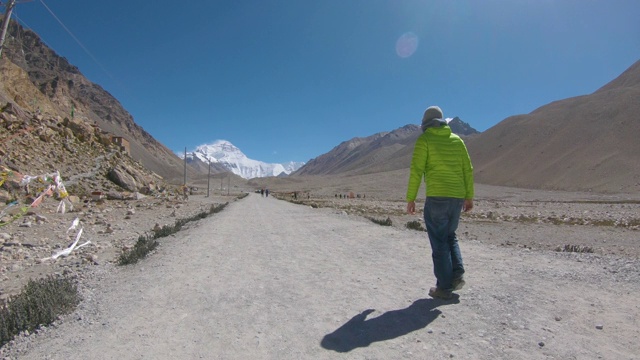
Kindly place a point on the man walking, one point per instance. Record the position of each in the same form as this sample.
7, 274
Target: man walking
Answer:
442, 159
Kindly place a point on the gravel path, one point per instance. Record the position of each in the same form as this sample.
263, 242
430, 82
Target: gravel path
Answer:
267, 279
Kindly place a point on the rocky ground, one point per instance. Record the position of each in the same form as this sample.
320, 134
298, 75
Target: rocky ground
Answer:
312, 281
29, 239
534, 219
564, 222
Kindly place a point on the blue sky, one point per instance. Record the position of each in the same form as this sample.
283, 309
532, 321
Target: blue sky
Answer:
289, 80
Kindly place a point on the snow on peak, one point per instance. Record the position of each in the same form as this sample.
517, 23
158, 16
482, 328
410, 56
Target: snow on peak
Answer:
228, 155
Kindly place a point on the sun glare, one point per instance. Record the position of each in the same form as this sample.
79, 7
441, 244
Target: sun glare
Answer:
407, 44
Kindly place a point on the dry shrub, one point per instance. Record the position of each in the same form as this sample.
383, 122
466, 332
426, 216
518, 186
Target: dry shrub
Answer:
575, 249
415, 225
147, 243
383, 222
39, 304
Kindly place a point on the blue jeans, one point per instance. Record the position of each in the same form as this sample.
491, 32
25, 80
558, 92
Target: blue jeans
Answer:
441, 216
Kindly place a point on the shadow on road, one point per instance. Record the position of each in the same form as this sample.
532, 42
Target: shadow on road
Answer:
361, 332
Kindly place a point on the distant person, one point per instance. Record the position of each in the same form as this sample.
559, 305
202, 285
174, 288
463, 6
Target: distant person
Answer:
442, 158
262, 192
266, 192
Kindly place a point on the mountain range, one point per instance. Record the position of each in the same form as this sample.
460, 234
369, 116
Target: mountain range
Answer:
385, 151
52, 117
584, 143
233, 159
587, 142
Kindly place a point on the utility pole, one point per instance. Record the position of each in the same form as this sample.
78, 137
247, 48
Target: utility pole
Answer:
185, 166
209, 178
5, 24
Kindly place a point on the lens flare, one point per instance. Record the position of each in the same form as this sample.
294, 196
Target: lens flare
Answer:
407, 44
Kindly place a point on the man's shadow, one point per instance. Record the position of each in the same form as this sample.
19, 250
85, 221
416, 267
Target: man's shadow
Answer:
361, 332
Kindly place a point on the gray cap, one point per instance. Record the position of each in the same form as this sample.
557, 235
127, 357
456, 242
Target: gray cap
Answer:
432, 112
432, 118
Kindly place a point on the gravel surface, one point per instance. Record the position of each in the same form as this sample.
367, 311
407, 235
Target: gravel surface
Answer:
268, 279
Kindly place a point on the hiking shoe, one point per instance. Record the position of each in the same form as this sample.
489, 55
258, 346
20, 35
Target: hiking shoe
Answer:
458, 283
438, 293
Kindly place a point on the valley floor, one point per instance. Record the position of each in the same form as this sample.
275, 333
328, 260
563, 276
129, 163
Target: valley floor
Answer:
267, 279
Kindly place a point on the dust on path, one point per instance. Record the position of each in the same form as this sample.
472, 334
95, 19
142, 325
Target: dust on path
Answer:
266, 279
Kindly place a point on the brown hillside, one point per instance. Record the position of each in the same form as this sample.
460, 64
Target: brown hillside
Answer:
64, 86
583, 143
381, 152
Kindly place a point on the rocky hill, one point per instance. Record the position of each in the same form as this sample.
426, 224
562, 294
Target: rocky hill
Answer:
40, 144
63, 90
385, 151
587, 142
584, 143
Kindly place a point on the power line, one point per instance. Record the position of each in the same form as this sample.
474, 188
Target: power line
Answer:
84, 48
76, 40
23, 46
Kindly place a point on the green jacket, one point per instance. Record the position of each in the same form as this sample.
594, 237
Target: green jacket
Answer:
442, 158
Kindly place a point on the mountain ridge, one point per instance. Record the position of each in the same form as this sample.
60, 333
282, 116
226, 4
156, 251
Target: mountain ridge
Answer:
380, 152
227, 155
65, 86
586, 142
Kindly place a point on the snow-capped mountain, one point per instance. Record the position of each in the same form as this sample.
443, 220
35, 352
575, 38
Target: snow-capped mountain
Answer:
226, 154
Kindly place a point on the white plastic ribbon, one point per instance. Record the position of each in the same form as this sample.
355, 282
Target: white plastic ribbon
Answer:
74, 225
68, 250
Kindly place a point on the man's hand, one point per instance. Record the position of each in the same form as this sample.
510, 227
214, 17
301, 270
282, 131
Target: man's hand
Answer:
411, 207
468, 205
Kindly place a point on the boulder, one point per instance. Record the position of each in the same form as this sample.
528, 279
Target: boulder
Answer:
45, 134
80, 129
121, 177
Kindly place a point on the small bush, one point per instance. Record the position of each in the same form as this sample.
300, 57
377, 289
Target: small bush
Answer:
415, 225
217, 208
575, 249
385, 222
147, 243
144, 245
39, 304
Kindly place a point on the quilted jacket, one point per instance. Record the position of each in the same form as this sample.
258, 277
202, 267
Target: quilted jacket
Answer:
441, 158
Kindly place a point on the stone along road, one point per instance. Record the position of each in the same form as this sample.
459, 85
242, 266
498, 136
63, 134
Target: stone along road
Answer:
267, 279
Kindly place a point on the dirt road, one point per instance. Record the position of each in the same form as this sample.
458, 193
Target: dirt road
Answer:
266, 279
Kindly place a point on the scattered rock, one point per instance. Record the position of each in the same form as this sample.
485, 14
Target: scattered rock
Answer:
26, 224
16, 267
92, 258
